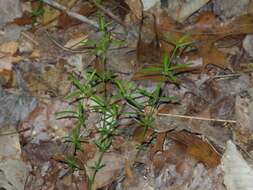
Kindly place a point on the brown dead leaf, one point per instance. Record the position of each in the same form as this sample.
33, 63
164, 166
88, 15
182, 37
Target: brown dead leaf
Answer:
173, 155
123, 9
159, 144
240, 25
206, 30
140, 135
87, 152
148, 47
205, 19
50, 14
128, 170
84, 9
167, 26
215, 32
200, 149
211, 55
24, 20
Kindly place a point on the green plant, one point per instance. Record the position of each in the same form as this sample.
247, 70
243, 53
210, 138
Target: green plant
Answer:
170, 64
143, 112
72, 163
91, 94
37, 12
90, 98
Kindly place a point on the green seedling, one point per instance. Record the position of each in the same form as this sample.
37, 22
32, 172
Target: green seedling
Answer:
143, 112
102, 105
169, 65
38, 12
79, 114
74, 138
88, 97
83, 90
72, 163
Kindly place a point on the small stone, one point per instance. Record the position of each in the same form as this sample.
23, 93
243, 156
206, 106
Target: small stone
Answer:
25, 47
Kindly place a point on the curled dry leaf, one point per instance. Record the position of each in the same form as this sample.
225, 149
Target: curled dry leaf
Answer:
199, 148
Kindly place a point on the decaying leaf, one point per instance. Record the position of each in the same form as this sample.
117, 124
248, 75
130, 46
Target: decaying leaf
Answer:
85, 9
148, 47
199, 148
140, 135
211, 55
50, 14
206, 19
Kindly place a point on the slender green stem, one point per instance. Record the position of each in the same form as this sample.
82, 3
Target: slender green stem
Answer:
92, 179
103, 61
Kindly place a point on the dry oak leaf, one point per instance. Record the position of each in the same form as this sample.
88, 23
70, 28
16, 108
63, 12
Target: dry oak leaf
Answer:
200, 149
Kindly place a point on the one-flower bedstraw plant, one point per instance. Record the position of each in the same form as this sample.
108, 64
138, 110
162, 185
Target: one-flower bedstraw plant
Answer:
89, 97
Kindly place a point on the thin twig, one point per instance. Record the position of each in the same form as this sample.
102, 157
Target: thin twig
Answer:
78, 51
196, 118
65, 48
70, 13
226, 76
29, 38
16, 132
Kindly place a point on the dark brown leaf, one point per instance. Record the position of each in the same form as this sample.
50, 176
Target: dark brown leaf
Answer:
200, 149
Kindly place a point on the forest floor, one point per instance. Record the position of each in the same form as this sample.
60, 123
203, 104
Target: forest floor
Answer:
126, 95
